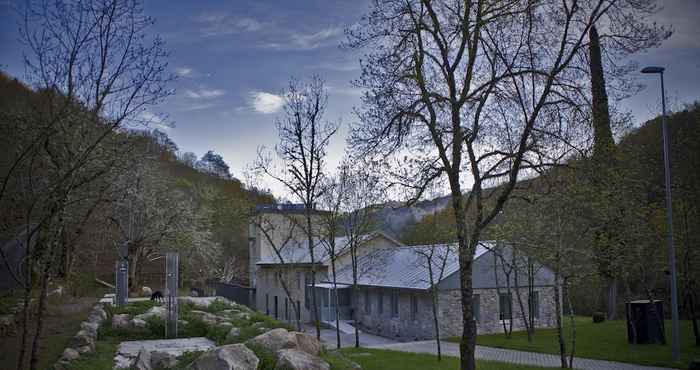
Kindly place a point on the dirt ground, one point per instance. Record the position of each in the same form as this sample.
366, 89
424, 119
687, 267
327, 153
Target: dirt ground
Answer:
61, 322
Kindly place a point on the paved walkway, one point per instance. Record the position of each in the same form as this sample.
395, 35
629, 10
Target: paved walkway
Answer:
511, 356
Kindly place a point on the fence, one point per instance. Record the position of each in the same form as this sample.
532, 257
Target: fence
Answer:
236, 293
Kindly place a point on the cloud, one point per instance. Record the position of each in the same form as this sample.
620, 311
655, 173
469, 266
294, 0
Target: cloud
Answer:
154, 120
184, 71
220, 24
196, 106
308, 41
203, 93
350, 91
266, 103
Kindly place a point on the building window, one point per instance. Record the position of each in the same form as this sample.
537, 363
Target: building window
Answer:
394, 304
267, 304
286, 309
505, 306
368, 303
307, 290
476, 307
380, 302
276, 312
298, 311
534, 304
414, 307
298, 280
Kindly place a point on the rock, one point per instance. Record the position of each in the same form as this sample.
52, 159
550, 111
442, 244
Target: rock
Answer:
120, 321
69, 354
157, 311
229, 357
138, 323
90, 327
146, 291
182, 322
262, 329
83, 342
208, 318
307, 343
163, 360
258, 324
293, 359
274, 340
225, 325
143, 361
233, 334
242, 316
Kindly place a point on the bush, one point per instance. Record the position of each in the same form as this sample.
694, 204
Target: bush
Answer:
598, 317
266, 357
694, 364
218, 305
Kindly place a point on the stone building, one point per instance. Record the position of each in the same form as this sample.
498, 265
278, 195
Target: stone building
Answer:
393, 294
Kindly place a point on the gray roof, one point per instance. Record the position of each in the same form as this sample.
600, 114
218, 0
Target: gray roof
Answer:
406, 267
299, 252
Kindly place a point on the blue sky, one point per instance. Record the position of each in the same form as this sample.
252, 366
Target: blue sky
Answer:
234, 58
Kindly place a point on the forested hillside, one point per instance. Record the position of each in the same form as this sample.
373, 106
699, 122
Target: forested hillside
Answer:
136, 191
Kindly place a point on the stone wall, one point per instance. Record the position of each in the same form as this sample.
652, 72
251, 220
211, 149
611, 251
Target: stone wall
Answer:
450, 310
405, 326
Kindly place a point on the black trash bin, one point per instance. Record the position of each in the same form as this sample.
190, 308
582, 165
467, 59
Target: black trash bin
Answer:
645, 322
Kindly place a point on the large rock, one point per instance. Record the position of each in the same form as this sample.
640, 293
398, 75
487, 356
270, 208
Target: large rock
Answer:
274, 340
137, 323
307, 343
294, 359
146, 291
233, 334
143, 361
163, 360
208, 318
69, 354
229, 357
157, 311
90, 327
97, 315
83, 342
120, 321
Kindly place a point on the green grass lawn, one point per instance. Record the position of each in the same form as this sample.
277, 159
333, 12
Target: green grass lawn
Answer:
376, 359
605, 341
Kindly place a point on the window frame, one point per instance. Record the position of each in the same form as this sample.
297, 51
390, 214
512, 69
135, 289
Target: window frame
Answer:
394, 304
509, 302
476, 307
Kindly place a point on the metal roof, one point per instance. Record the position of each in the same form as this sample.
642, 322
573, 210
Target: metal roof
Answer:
406, 267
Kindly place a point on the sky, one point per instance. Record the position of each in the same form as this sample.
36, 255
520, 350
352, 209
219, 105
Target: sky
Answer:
233, 59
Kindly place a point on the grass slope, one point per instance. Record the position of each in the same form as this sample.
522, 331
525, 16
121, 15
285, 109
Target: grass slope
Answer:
376, 359
605, 341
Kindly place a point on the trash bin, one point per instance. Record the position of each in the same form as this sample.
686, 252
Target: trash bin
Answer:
645, 322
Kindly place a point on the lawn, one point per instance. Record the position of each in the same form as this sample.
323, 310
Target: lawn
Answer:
605, 341
376, 359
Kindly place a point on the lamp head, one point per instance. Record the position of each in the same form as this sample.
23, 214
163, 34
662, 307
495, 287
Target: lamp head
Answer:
653, 69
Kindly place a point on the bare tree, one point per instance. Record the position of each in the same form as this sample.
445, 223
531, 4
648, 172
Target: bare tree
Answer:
97, 71
304, 138
435, 259
362, 195
332, 200
468, 88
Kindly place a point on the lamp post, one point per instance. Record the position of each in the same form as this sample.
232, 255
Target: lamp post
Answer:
675, 344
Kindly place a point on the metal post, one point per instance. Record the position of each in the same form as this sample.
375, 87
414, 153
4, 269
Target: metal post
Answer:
121, 277
171, 286
675, 344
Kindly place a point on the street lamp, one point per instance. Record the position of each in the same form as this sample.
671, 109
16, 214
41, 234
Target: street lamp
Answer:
675, 345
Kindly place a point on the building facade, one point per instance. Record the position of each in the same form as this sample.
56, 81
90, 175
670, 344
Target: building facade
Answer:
393, 296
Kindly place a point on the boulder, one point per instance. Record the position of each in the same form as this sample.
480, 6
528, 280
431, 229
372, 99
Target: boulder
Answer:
157, 311
229, 357
233, 334
225, 325
120, 321
163, 360
143, 361
90, 327
69, 354
83, 342
307, 343
137, 323
293, 359
208, 318
242, 316
182, 322
146, 291
274, 340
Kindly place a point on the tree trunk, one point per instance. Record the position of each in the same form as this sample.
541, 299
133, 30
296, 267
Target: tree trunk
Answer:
337, 311
467, 344
560, 329
434, 294
612, 298
573, 325
310, 240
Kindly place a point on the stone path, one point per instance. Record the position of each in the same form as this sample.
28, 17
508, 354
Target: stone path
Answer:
511, 356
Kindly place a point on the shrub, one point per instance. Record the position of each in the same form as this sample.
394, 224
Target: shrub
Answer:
694, 364
266, 357
598, 317
156, 326
218, 305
